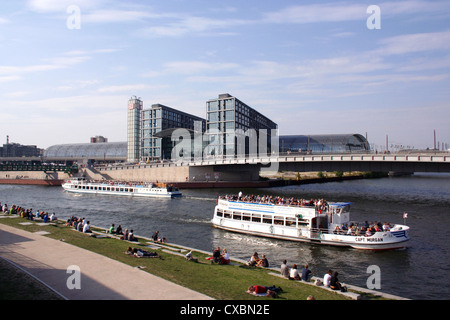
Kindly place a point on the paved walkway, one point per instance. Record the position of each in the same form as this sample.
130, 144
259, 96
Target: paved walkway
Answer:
101, 278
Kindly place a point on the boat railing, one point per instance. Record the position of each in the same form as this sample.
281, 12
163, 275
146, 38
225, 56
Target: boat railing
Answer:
318, 210
316, 232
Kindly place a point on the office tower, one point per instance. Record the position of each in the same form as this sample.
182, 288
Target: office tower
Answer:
157, 126
134, 129
235, 129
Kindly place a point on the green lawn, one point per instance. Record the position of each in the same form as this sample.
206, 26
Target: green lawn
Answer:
223, 282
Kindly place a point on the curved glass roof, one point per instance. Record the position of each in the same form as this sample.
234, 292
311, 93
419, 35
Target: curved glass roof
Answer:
324, 143
97, 151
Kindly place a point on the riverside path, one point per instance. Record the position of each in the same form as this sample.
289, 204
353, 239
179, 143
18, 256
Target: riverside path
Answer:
102, 278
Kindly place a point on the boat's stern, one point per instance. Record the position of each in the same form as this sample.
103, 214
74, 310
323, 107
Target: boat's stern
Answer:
396, 238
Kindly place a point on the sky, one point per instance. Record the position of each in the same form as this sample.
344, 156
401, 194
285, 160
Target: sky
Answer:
380, 69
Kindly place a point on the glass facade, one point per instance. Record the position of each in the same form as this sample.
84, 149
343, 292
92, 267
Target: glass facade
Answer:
160, 118
232, 126
331, 143
110, 151
134, 129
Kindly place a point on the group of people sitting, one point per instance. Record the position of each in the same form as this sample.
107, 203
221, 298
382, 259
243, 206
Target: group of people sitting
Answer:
125, 235
156, 237
255, 261
293, 273
366, 229
79, 224
330, 279
219, 257
28, 213
319, 204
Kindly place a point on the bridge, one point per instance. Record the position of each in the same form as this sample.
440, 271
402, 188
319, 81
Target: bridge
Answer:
47, 168
249, 168
397, 162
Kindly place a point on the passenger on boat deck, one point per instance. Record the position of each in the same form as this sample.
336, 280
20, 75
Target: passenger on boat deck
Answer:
263, 263
293, 274
336, 230
284, 270
306, 273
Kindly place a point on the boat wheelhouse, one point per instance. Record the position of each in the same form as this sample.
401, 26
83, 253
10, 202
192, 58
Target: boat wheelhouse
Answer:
80, 185
328, 223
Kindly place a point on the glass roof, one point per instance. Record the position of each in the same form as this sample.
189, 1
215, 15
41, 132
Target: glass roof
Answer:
324, 143
99, 151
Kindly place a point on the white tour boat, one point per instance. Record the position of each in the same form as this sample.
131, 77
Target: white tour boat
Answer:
326, 223
80, 185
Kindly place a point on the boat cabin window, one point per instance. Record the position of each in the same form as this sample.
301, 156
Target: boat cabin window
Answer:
339, 209
291, 222
237, 216
246, 216
227, 214
267, 219
219, 213
303, 222
278, 220
256, 218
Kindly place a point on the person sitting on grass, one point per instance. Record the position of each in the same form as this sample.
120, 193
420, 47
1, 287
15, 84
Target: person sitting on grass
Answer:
86, 228
254, 260
263, 263
131, 236
224, 257
190, 257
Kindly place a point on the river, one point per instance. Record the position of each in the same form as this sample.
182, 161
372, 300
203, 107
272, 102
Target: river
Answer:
418, 272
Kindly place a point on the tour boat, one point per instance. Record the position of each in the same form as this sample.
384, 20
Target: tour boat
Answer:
320, 223
80, 185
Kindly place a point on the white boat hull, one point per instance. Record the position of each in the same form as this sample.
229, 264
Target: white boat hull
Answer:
122, 190
385, 240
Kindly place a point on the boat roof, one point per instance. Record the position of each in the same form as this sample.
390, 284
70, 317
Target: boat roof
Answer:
340, 204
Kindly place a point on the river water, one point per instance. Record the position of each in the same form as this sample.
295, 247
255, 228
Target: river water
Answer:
421, 271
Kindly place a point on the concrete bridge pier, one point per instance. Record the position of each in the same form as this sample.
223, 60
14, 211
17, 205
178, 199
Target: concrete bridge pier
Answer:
243, 172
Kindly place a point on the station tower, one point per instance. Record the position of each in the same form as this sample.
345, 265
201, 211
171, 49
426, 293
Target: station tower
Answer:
135, 106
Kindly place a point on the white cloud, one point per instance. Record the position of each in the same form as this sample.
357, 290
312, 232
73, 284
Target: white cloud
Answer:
344, 11
194, 25
125, 88
15, 72
116, 15
417, 42
318, 13
52, 6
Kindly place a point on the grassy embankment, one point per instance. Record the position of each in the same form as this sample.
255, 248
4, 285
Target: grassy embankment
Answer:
223, 282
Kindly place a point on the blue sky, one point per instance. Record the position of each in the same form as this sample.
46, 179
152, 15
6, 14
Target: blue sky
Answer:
314, 67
